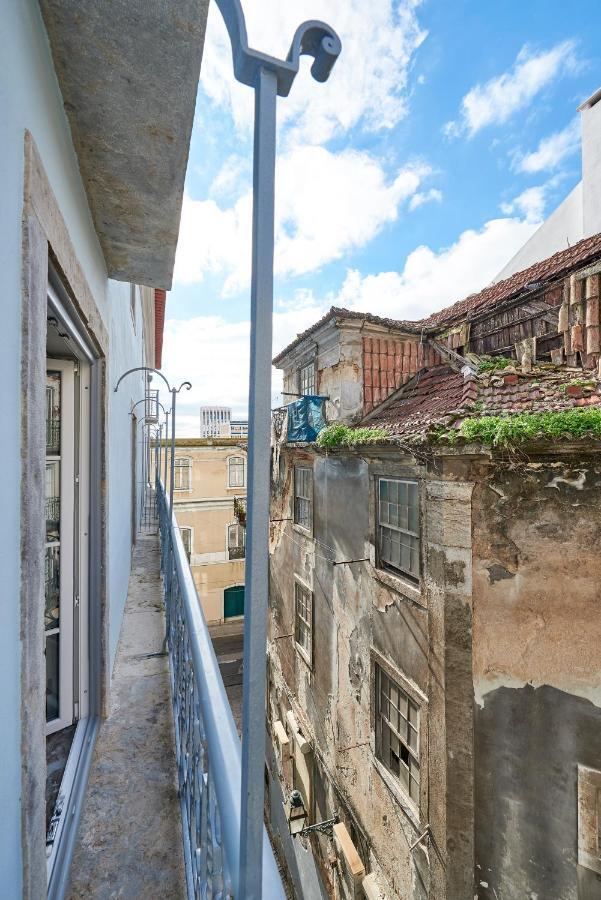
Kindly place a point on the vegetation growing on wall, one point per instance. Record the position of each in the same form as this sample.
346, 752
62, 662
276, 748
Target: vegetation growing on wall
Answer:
507, 431
343, 436
492, 364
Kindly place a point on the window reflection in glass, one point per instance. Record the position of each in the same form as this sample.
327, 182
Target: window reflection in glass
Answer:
53, 413
52, 587
52, 501
52, 674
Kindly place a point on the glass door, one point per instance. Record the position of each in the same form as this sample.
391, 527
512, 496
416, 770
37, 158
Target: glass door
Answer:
59, 556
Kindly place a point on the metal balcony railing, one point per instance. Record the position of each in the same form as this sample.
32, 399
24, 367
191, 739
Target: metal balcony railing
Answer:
207, 743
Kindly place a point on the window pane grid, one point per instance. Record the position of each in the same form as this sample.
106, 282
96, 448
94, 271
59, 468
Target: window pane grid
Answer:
236, 471
181, 475
303, 496
397, 721
303, 618
398, 525
307, 380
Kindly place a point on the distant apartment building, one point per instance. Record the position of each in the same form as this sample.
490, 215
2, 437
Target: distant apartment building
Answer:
239, 428
215, 421
210, 504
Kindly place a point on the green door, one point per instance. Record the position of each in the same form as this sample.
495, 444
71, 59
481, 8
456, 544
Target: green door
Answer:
233, 601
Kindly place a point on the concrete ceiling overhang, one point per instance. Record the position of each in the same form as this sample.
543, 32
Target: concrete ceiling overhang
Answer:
128, 72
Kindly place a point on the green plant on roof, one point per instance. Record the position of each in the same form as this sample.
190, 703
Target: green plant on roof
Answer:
343, 436
493, 364
508, 431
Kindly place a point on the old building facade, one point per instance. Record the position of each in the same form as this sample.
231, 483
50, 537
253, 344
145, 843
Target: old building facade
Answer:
434, 649
209, 498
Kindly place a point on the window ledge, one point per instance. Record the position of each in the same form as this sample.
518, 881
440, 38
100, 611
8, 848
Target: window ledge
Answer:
304, 531
395, 789
400, 586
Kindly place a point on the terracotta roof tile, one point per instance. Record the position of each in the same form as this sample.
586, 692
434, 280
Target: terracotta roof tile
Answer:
441, 396
554, 267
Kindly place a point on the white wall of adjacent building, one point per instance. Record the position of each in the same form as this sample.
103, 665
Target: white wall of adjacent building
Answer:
579, 215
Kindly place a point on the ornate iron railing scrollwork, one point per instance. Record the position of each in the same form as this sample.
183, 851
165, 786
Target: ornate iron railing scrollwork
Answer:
207, 743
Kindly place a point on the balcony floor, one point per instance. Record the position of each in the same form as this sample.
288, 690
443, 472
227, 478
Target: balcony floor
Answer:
130, 838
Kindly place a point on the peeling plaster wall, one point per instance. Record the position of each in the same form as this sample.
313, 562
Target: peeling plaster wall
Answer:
363, 615
536, 665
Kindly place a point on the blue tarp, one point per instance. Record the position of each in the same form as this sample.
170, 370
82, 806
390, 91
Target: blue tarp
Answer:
305, 419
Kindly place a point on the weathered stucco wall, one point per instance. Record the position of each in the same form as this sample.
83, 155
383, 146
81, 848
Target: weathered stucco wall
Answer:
363, 616
536, 665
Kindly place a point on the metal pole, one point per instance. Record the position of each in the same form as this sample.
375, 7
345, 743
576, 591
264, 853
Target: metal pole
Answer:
166, 450
259, 438
172, 468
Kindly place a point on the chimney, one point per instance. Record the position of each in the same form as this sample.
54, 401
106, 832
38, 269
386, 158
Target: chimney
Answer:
590, 112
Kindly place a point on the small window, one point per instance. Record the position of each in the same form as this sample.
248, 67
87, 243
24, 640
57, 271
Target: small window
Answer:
307, 380
236, 541
398, 526
181, 476
236, 471
303, 497
397, 733
303, 620
186, 534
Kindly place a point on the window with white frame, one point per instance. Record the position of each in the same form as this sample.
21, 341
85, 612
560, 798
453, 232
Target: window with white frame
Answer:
307, 380
398, 525
397, 733
186, 534
236, 541
303, 497
303, 620
236, 471
181, 474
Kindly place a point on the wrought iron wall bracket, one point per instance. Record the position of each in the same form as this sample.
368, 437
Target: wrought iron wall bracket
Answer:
326, 827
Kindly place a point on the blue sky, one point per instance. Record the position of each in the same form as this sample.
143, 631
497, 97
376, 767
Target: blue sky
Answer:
446, 133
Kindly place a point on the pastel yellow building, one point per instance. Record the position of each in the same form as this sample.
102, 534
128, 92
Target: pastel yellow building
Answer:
209, 496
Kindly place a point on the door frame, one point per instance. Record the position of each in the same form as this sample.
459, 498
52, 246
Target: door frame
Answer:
67, 566
89, 547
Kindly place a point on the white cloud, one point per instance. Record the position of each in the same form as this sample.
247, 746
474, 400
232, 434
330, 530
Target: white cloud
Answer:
551, 150
495, 101
421, 197
431, 280
213, 353
530, 203
327, 204
367, 87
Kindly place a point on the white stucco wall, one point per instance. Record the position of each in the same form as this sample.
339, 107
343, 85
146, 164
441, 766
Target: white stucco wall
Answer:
579, 215
30, 99
591, 166
564, 227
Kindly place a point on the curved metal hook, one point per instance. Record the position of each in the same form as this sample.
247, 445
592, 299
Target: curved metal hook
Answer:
312, 38
142, 369
143, 400
185, 384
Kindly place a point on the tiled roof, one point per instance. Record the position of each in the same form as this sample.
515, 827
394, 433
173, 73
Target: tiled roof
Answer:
431, 397
441, 396
338, 312
585, 251
546, 270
